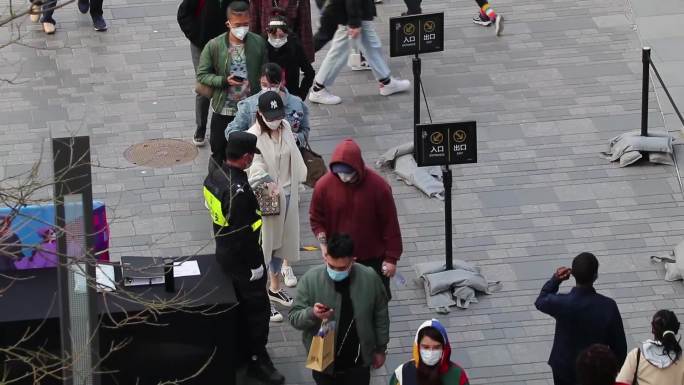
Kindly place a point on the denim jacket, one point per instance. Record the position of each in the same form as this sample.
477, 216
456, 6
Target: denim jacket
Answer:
296, 113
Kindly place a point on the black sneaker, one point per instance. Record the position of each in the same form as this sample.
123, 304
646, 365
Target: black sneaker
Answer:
281, 297
198, 139
263, 370
482, 20
83, 6
99, 23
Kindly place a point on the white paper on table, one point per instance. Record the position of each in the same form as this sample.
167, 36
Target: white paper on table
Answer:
185, 269
104, 276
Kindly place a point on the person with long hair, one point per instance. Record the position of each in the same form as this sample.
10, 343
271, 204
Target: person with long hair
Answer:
286, 50
281, 168
431, 363
297, 15
657, 361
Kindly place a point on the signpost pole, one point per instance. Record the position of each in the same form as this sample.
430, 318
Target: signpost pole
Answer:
416, 91
446, 179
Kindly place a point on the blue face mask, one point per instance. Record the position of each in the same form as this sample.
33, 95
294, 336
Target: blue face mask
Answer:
337, 276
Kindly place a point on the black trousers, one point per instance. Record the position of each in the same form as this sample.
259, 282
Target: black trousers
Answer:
563, 377
253, 315
376, 264
217, 136
412, 7
352, 376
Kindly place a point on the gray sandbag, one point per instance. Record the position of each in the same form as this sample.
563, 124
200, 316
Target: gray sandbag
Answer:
435, 267
464, 296
445, 280
440, 302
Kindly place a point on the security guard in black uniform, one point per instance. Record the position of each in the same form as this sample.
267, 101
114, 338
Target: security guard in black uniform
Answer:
237, 227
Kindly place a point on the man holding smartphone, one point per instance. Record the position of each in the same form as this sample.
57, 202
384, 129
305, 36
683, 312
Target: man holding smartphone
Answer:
353, 296
230, 63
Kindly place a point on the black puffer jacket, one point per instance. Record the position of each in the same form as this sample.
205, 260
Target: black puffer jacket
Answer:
202, 20
346, 12
359, 10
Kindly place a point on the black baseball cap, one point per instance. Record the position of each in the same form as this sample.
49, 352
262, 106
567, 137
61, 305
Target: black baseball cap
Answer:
240, 143
271, 106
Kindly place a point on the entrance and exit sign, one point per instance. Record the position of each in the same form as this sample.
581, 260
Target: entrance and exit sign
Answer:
416, 34
446, 143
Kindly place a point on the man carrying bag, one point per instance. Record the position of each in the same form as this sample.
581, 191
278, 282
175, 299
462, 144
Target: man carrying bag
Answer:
352, 296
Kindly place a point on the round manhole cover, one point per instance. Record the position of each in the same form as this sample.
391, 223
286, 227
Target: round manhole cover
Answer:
161, 153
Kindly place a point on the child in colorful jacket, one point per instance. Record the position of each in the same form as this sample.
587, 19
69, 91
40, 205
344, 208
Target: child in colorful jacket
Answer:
431, 363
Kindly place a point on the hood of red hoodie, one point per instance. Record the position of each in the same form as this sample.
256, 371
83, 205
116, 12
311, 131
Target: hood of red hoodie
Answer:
348, 152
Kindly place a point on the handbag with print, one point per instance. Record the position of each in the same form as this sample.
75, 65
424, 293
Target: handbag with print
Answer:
269, 204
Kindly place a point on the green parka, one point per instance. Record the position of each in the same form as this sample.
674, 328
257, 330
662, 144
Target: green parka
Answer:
368, 298
214, 65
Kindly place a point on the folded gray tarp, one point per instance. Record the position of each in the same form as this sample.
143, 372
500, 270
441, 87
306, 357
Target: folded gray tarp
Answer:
426, 179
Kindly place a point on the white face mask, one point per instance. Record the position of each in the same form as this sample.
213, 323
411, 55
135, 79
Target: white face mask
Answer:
239, 32
346, 177
274, 124
430, 357
266, 89
275, 42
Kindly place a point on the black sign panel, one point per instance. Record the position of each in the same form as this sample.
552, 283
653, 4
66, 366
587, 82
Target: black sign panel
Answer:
414, 34
445, 143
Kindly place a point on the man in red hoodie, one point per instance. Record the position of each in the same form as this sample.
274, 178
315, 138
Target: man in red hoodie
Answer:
353, 199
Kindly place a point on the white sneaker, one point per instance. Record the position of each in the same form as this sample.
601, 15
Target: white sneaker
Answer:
394, 86
275, 315
363, 66
288, 276
499, 25
324, 97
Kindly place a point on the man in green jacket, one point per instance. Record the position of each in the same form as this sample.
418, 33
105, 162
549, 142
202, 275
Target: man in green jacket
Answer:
230, 64
353, 296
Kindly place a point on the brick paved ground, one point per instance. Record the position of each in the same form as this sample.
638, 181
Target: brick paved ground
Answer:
547, 95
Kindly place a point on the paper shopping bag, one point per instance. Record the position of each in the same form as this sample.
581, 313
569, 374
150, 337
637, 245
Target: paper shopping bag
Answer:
322, 351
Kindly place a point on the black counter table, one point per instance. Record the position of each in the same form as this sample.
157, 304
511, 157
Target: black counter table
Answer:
178, 344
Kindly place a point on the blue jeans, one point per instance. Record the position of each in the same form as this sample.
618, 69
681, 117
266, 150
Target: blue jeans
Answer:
368, 42
277, 262
48, 9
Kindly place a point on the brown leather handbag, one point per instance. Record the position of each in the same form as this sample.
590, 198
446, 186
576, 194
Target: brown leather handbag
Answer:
204, 90
315, 165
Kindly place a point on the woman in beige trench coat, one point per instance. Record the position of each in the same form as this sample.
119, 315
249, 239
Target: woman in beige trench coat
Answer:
282, 168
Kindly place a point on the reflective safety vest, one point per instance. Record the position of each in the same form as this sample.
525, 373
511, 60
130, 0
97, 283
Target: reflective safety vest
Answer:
216, 211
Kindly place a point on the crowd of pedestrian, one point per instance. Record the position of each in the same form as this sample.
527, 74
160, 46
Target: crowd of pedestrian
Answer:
261, 76
253, 65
